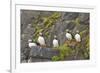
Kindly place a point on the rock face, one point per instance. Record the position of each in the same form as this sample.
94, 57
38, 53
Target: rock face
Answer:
50, 24
43, 53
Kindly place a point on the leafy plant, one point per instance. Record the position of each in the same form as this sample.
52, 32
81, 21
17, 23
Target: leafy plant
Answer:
64, 52
55, 58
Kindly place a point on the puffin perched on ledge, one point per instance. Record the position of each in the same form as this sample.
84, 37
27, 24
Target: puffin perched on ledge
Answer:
68, 35
77, 36
41, 40
31, 44
55, 42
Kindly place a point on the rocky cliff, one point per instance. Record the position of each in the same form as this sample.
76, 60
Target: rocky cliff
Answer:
53, 23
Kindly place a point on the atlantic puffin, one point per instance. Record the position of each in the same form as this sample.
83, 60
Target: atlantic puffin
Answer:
31, 44
55, 42
77, 36
41, 40
68, 35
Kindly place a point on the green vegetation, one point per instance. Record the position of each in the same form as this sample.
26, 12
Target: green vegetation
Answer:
87, 50
86, 43
55, 58
82, 32
47, 22
64, 50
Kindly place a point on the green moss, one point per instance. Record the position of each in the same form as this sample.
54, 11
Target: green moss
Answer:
87, 53
82, 32
55, 58
48, 22
64, 50
77, 21
87, 41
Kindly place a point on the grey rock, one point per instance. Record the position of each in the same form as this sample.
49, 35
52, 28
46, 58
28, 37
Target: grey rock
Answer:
70, 15
46, 53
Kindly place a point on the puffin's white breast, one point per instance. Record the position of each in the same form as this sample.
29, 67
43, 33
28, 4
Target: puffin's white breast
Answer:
77, 37
32, 44
41, 40
55, 43
68, 36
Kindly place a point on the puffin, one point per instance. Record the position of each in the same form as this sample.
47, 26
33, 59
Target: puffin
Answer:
55, 42
68, 35
77, 36
41, 40
31, 44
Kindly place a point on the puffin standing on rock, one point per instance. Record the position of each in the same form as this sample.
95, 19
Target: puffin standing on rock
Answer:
55, 42
68, 35
31, 44
77, 36
41, 40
